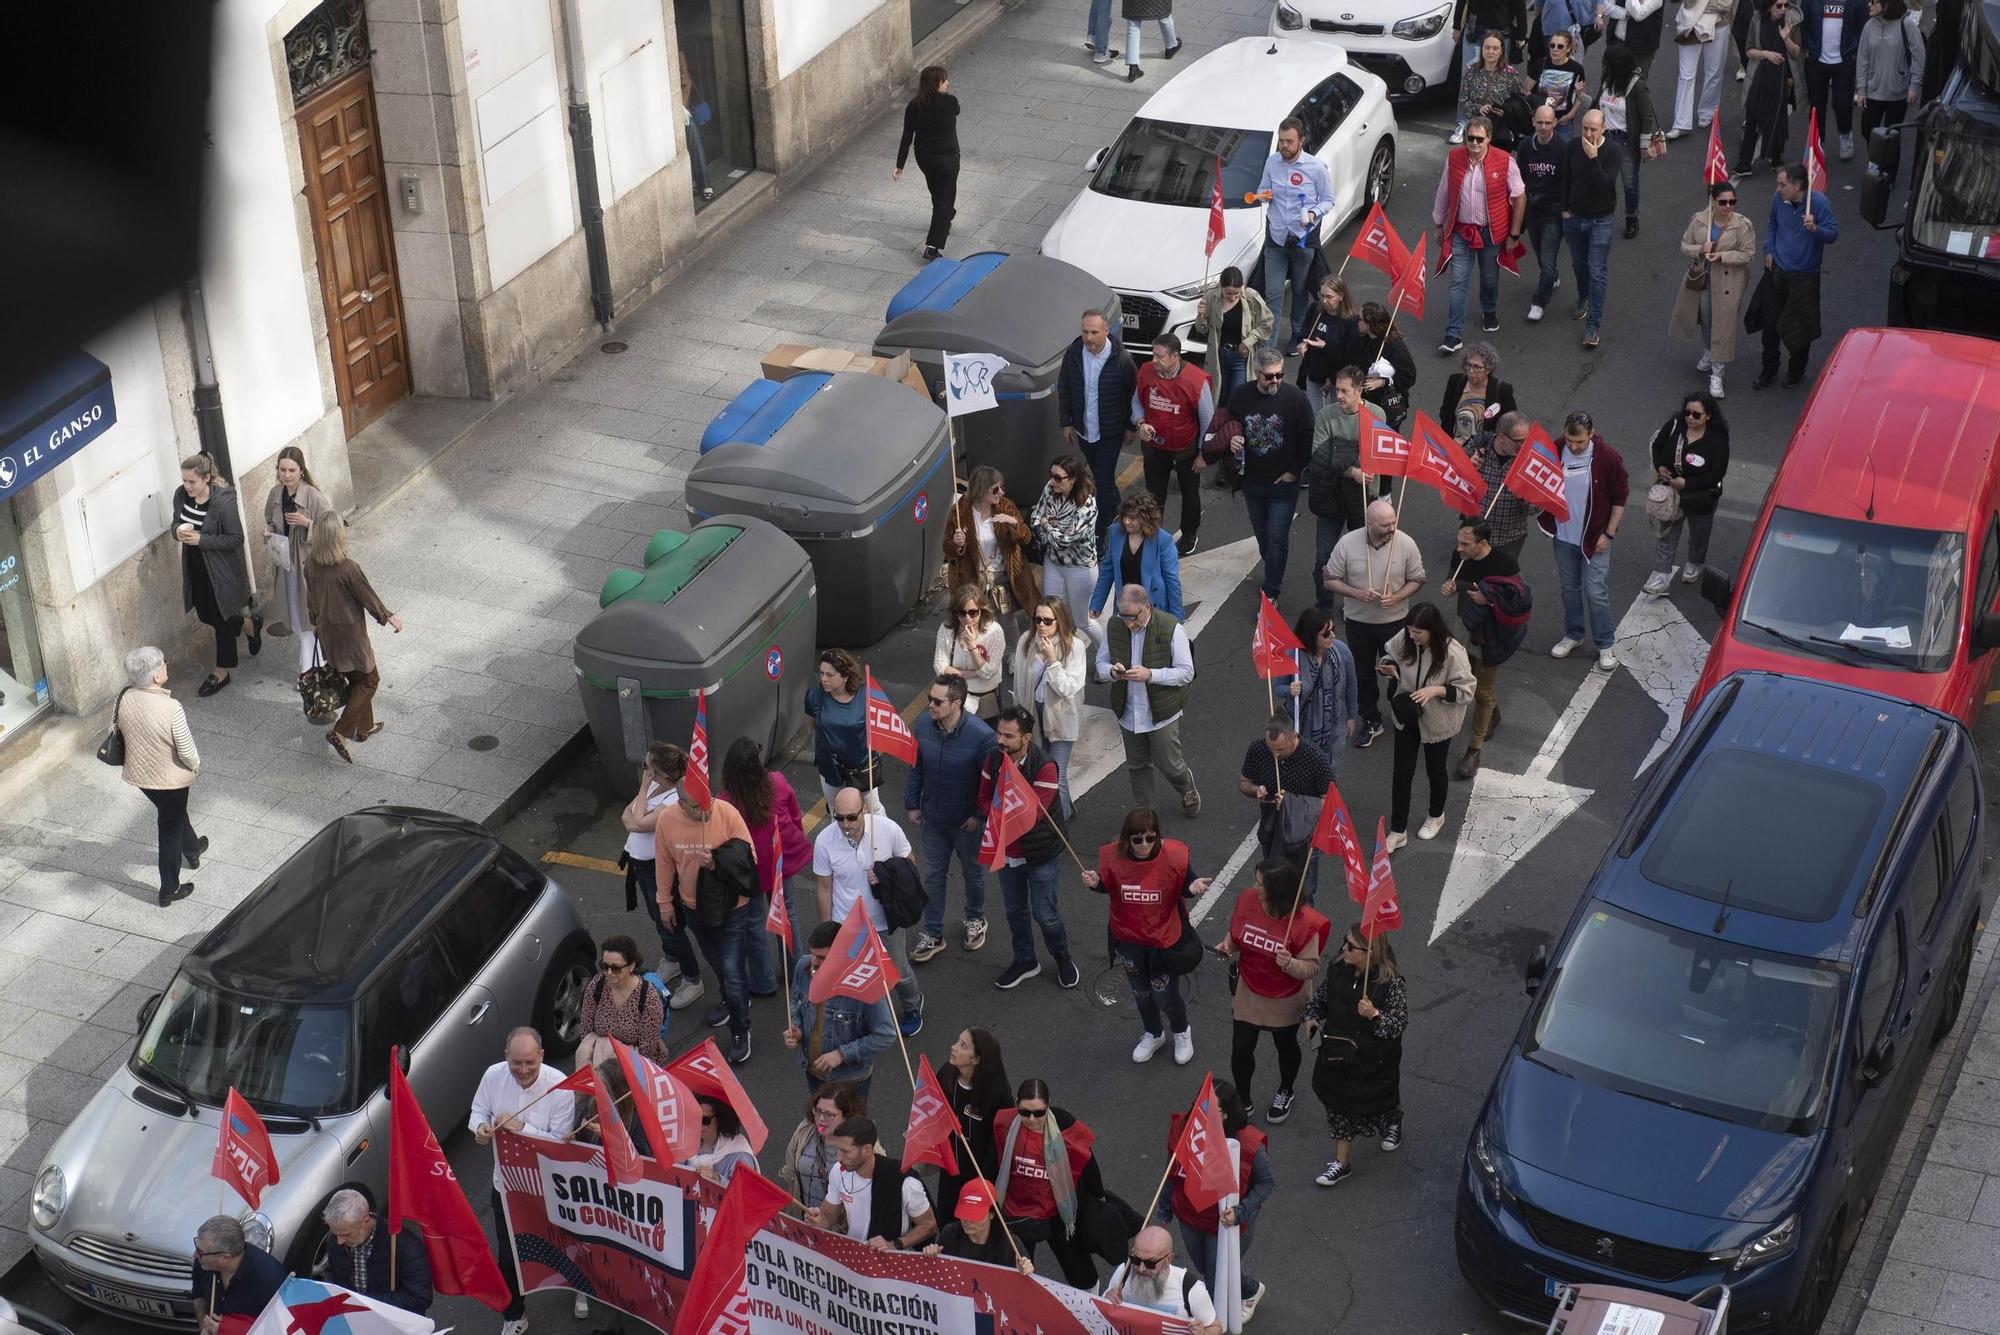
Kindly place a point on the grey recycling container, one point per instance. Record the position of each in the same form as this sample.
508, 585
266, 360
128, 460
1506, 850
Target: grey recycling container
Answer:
730, 608
856, 469
1026, 308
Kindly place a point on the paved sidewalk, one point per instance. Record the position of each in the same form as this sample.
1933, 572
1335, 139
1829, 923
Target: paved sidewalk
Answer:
493, 553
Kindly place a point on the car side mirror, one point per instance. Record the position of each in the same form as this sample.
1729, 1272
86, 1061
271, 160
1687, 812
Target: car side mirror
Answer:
146, 1009
1536, 971
1717, 589
1881, 1059
1986, 633
1097, 159
403, 1059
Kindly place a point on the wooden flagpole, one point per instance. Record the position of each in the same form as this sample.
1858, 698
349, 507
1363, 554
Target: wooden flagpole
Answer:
1299, 895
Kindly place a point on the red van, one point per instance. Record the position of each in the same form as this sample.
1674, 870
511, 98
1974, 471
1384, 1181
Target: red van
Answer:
1876, 560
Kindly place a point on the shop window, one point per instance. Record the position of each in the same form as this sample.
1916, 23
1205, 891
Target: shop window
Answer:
715, 95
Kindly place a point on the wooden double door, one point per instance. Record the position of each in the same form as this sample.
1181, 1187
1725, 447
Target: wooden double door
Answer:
349, 202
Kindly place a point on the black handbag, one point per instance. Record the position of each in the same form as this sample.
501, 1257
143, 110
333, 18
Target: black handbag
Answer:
322, 690
112, 750
1184, 956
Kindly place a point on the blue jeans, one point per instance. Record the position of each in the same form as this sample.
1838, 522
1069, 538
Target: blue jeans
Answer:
728, 949
1271, 506
1293, 264
1590, 256
1156, 992
1229, 368
1030, 892
763, 974
674, 945
1098, 27
1629, 165
1546, 233
1167, 38
1201, 1250
1463, 256
1585, 580
939, 843
1059, 752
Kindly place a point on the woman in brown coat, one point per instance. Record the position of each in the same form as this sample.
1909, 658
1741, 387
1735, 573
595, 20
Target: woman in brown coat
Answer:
1720, 244
986, 541
340, 599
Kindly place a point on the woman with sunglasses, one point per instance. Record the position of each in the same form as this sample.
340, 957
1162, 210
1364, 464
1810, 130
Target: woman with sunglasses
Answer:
724, 1147
1255, 1181
1358, 1013
1051, 666
620, 1004
1690, 455
1047, 1173
1430, 689
1327, 691
1146, 878
976, 1086
1561, 84
1138, 551
1276, 943
972, 646
1064, 521
1720, 245
1475, 397
809, 1159
986, 543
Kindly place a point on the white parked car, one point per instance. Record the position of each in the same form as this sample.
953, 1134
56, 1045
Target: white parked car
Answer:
1141, 223
1406, 43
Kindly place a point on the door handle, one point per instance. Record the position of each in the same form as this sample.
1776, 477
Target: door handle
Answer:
479, 1012
1924, 983
366, 295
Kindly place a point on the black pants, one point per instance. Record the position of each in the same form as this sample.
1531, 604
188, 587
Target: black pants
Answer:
503, 1249
1365, 640
226, 628
1784, 285
1833, 83
177, 836
1243, 1053
1405, 775
941, 175
1875, 112
674, 945
1161, 465
1079, 1267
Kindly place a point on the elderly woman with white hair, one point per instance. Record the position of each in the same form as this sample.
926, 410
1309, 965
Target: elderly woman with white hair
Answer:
161, 762
358, 1250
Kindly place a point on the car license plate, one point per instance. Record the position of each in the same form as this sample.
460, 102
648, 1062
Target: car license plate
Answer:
1130, 319
1552, 1288
130, 1302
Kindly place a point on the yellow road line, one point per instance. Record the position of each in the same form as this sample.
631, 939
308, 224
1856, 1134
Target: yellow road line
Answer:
1993, 697
579, 860
1130, 471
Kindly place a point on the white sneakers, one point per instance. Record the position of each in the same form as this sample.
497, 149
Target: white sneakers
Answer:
1704, 364
1429, 829
580, 1309
1395, 840
1534, 313
1564, 647
1184, 1046
1148, 1044
1690, 573
1607, 661
1715, 382
1657, 582
517, 1326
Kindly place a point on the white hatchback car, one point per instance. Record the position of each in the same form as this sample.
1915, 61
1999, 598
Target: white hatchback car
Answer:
1141, 223
1406, 43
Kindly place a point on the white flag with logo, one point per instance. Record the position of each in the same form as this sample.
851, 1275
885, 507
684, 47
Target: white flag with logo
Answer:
311, 1307
968, 381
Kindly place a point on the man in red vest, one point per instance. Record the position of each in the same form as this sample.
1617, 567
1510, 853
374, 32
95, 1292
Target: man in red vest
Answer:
1481, 204
1172, 405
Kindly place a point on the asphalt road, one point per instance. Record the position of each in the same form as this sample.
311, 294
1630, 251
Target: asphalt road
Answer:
1375, 1253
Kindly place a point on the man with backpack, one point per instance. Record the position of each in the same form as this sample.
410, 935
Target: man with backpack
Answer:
1493, 605
853, 858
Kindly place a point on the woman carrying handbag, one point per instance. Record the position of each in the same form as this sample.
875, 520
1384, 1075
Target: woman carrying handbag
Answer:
1147, 878
1358, 1013
986, 543
1720, 245
155, 753
341, 600
291, 508
1690, 456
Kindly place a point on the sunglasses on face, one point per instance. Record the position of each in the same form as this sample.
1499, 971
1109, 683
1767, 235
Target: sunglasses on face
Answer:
848, 818
1128, 616
1045, 621
609, 967
1138, 1262
1145, 839
1349, 948
969, 611
1270, 377
1475, 139
939, 701
708, 1119
1728, 203
1032, 1112
1694, 412
1057, 475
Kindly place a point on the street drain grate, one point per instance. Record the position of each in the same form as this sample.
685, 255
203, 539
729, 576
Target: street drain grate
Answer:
485, 741
613, 346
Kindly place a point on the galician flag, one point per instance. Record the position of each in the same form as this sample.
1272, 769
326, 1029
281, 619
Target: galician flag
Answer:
309, 1307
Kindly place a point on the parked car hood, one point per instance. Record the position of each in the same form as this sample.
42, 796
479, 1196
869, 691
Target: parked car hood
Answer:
1146, 247
1645, 1151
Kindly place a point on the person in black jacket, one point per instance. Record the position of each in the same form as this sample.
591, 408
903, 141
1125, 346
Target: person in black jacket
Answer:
1475, 18
1636, 25
1331, 341
1690, 454
1094, 406
1271, 442
1590, 170
357, 1255
1475, 396
930, 122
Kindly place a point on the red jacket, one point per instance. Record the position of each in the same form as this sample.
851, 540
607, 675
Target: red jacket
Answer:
1608, 489
1499, 206
1172, 407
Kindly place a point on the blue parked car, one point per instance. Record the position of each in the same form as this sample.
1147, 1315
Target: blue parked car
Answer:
1722, 1048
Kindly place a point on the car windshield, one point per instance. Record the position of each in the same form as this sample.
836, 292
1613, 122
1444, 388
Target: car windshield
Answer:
1678, 1018
277, 1054
1957, 208
1170, 162
1857, 592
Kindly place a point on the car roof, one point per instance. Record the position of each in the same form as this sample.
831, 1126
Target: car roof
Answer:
1905, 418
1250, 84
321, 924
1853, 735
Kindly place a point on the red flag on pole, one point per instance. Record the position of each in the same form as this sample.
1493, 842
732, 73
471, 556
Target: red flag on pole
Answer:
1381, 913
667, 1107
1407, 291
887, 732
932, 1124
856, 966
1272, 643
1815, 157
778, 918
1335, 836
715, 1289
243, 1156
1217, 228
1200, 1154
1536, 475
1716, 166
1377, 244
621, 1156
1440, 461
706, 1072
1383, 452
1015, 811
695, 782
422, 1187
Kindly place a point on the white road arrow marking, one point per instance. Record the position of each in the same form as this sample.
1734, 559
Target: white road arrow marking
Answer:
1511, 813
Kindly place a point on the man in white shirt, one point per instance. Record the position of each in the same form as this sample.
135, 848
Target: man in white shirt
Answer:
1156, 658
503, 1099
844, 858
851, 1206
1150, 1280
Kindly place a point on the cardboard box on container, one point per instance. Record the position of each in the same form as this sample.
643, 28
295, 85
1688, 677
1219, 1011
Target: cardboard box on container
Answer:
789, 359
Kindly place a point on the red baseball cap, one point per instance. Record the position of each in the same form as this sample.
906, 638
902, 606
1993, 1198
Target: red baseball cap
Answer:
975, 1201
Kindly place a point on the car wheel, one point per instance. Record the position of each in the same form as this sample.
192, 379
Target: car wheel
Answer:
1816, 1294
559, 1009
1382, 173
1955, 988
308, 1250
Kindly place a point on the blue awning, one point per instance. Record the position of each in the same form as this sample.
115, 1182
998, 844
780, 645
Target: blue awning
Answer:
51, 416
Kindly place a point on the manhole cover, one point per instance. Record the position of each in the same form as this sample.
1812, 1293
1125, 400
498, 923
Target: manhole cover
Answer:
485, 741
279, 631
613, 346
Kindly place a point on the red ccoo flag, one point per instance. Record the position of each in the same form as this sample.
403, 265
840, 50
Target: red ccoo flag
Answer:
1437, 459
621, 1156
695, 782
1335, 836
1537, 474
1377, 244
1407, 291
1715, 167
932, 1124
1272, 643
778, 918
243, 1156
715, 1289
705, 1072
1217, 227
1383, 452
1015, 811
667, 1107
887, 732
856, 966
1815, 158
1200, 1154
422, 1187
1381, 913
